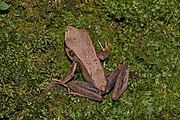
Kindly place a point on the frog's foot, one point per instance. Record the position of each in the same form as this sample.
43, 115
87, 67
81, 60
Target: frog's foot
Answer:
119, 80
68, 77
59, 82
84, 89
104, 48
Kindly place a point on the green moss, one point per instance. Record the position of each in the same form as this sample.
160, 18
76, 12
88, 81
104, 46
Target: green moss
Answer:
143, 34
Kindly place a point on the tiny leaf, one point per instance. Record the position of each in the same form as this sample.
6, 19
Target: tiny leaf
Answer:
3, 6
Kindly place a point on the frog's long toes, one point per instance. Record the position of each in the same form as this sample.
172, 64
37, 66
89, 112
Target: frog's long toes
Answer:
100, 44
107, 45
54, 79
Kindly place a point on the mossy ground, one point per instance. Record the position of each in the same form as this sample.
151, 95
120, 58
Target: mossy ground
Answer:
144, 34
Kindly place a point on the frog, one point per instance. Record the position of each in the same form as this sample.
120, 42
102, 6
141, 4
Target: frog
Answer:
80, 50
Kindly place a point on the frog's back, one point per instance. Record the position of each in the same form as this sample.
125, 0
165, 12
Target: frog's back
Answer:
79, 41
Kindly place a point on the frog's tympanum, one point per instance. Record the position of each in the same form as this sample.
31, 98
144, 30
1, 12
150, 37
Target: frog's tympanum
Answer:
81, 51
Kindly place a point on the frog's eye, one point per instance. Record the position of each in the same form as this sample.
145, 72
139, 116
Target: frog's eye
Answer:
66, 30
71, 53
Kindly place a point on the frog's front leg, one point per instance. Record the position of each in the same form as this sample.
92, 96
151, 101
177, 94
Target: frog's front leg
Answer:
119, 80
104, 54
68, 77
84, 89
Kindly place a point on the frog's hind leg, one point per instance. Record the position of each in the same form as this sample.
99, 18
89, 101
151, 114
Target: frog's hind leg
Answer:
118, 80
84, 89
68, 77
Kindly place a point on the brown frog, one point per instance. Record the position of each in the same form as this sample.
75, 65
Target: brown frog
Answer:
81, 51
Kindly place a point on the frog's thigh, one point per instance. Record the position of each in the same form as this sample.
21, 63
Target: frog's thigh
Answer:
84, 89
120, 85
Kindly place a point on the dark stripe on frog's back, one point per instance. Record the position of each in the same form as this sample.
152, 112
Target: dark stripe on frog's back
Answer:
79, 41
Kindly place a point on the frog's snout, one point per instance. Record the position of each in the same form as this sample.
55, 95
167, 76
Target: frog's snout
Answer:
102, 87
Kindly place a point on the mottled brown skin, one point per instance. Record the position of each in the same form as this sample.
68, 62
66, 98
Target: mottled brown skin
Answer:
81, 51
